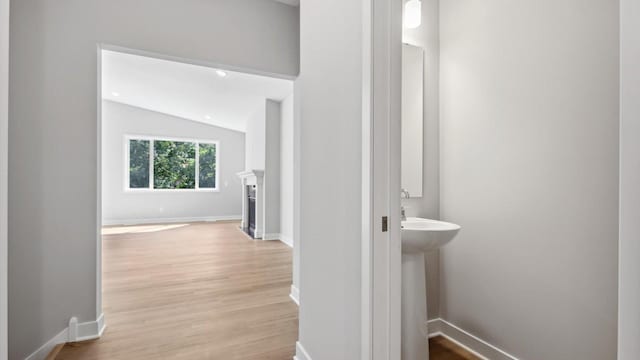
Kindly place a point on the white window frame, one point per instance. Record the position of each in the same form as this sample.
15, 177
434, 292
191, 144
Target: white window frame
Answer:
152, 139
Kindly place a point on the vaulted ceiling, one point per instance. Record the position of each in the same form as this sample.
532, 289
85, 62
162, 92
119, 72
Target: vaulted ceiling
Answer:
189, 91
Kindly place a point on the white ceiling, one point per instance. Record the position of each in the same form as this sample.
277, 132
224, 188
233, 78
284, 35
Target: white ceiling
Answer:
290, 2
188, 91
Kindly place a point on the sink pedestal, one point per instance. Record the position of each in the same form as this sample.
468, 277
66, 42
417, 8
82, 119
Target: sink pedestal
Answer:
418, 237
415, 335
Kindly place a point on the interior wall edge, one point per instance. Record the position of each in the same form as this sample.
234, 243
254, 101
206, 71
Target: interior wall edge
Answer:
629, 246
4, 124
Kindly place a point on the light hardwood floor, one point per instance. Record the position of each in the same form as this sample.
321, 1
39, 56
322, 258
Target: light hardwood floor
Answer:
199, 291
442, 349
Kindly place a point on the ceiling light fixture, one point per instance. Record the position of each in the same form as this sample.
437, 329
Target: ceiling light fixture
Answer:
115, 93
412, 14
221, 73
208, 117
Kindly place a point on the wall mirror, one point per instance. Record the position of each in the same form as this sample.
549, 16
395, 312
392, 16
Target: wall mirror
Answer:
412, 119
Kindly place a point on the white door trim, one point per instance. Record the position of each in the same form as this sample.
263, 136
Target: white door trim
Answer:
99, 221
381, 251
4, 158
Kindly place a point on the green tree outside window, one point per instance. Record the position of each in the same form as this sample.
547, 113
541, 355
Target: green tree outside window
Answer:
207, 162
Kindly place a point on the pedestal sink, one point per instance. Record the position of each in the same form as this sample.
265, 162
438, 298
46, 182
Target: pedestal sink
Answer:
418, 236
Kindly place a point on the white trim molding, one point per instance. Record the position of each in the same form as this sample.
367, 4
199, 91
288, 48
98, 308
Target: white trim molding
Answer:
108, 222
44, 350
295, 294
287, 240
301, 353
271, 237
87, 331
80, 332
466, 340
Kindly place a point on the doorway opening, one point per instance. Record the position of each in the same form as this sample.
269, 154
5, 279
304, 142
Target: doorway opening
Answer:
177, 142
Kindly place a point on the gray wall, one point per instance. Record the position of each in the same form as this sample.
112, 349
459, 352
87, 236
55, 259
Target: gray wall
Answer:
54, 135
255, 140
286, 169
529, 169
272, 168
629, 315
4, 112
123, 207
427, 36
329, 91
263, 153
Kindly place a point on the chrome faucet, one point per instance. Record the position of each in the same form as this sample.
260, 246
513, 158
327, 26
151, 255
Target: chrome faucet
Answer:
403, 194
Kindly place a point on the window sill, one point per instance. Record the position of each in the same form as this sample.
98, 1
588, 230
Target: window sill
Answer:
160, 191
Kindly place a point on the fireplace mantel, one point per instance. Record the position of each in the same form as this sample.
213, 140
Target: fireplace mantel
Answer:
254, 176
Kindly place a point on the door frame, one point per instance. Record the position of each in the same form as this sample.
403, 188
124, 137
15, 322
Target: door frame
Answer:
381, 251
4, 159
108, 47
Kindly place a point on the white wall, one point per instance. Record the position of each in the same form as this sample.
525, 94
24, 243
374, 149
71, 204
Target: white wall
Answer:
427, 36
272, 169
286, 171
263, 153
629, 314
53, 132
4, 112
124, 207
529, 169
297, 204
329, 91
256, 140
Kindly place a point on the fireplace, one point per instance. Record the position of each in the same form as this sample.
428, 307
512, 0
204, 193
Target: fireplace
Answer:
253, 202
251, 210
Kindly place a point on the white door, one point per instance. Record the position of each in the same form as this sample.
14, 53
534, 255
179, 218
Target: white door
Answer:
381, 178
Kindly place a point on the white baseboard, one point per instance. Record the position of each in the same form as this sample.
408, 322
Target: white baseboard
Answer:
89, 330
295, 295
85, 331
466, 340
45, 349
301, 353
107, 222
283, 238
270, 236
287, 240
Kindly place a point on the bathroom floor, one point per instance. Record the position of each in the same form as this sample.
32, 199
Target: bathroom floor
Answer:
442, 349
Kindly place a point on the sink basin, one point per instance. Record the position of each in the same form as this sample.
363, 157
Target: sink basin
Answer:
418, 236
422, 235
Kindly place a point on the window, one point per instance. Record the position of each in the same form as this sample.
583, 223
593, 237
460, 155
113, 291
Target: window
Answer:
171, 164
138, 164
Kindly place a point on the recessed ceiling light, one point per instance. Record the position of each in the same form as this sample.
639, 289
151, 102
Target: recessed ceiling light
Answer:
221, 73
208, 117
115, 93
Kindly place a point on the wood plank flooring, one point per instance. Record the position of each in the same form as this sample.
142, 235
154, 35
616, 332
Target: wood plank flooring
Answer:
440, 348
199, 291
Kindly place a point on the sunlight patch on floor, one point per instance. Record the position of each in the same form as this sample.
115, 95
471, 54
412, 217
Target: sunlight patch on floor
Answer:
114, 230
